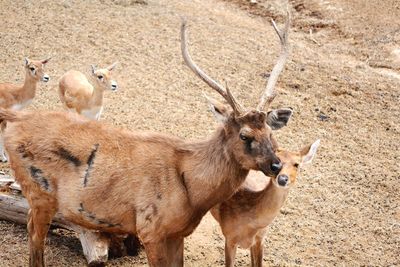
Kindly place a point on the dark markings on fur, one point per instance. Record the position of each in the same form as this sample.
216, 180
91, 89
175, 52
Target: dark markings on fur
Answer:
149, 212
92, 217
90, 164
80, 209
67, 155
37, 176
148, 217
21, 149
184, 182
155, 209
159, 195
247, 145
184, 185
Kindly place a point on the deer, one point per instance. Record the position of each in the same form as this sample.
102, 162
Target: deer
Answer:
151, 185
17, 97
78, 95
244, 218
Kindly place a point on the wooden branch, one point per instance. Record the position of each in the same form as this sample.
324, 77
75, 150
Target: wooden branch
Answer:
94, 244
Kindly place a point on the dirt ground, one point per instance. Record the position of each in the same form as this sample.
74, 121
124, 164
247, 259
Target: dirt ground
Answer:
342, 80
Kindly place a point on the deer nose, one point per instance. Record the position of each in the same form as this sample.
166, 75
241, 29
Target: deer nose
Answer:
114, 86
283, 180
46, 78
276, 167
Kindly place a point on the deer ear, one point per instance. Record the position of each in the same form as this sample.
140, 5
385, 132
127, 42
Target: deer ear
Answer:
308, 152
219, 110
46, 61
112, 66
93, 68
278, 118
26, 61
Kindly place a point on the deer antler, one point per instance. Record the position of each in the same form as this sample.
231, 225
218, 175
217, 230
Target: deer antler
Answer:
269, 93
225, 93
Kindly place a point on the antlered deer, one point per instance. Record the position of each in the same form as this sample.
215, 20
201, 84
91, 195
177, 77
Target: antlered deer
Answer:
151, 185
17, 97
244, 218
78, 95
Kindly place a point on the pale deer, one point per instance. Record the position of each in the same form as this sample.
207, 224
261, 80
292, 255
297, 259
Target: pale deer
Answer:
79, 95
155, 186
17, 97
244, 218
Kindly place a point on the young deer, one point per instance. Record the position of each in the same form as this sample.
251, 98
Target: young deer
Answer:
244, 218
155, 186
17, 97
79, 95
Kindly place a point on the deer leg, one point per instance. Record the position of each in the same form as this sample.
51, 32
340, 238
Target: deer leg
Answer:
175, 252
230, 253
256, 252
157, 253
3, 155
39, 219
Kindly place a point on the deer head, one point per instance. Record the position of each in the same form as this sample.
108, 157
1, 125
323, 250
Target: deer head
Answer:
292, 162
103, 77
248, 132
35, 69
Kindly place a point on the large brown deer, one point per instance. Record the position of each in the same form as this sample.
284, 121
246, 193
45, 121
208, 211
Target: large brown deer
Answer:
244, 218
151, 185
17, 97
79, 95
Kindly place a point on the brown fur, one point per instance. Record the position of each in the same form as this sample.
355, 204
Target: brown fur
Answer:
156, 186
245, 217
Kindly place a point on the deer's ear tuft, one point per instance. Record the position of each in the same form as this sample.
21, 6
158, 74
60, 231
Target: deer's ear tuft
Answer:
309, 152
279, 118
220, 111
112, 66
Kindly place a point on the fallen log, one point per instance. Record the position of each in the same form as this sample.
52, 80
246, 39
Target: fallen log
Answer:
14, 207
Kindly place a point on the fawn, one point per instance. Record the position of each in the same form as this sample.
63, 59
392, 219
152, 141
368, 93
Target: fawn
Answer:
244, 218
17, 97
79, 95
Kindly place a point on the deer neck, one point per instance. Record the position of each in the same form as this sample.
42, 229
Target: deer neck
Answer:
270, 201
210, 172
28, 89
97, 96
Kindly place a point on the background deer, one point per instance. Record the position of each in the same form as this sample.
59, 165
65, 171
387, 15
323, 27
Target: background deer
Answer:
154, 186
244, 218
79, 95
17, 97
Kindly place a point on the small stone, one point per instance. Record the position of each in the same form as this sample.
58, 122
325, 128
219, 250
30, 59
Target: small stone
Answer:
323, 117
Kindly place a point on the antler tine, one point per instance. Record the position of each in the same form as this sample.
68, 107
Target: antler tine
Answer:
200, 73
237, 108
269, 93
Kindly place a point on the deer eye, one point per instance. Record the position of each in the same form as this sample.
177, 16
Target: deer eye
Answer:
100, 77
243, 137
32, 68
296, 165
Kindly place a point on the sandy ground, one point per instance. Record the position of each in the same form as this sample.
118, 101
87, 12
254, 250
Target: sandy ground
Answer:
345, 208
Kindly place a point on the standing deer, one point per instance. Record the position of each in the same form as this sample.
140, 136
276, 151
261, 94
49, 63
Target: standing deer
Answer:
78, 95
244, 218
17, 97
155, 186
